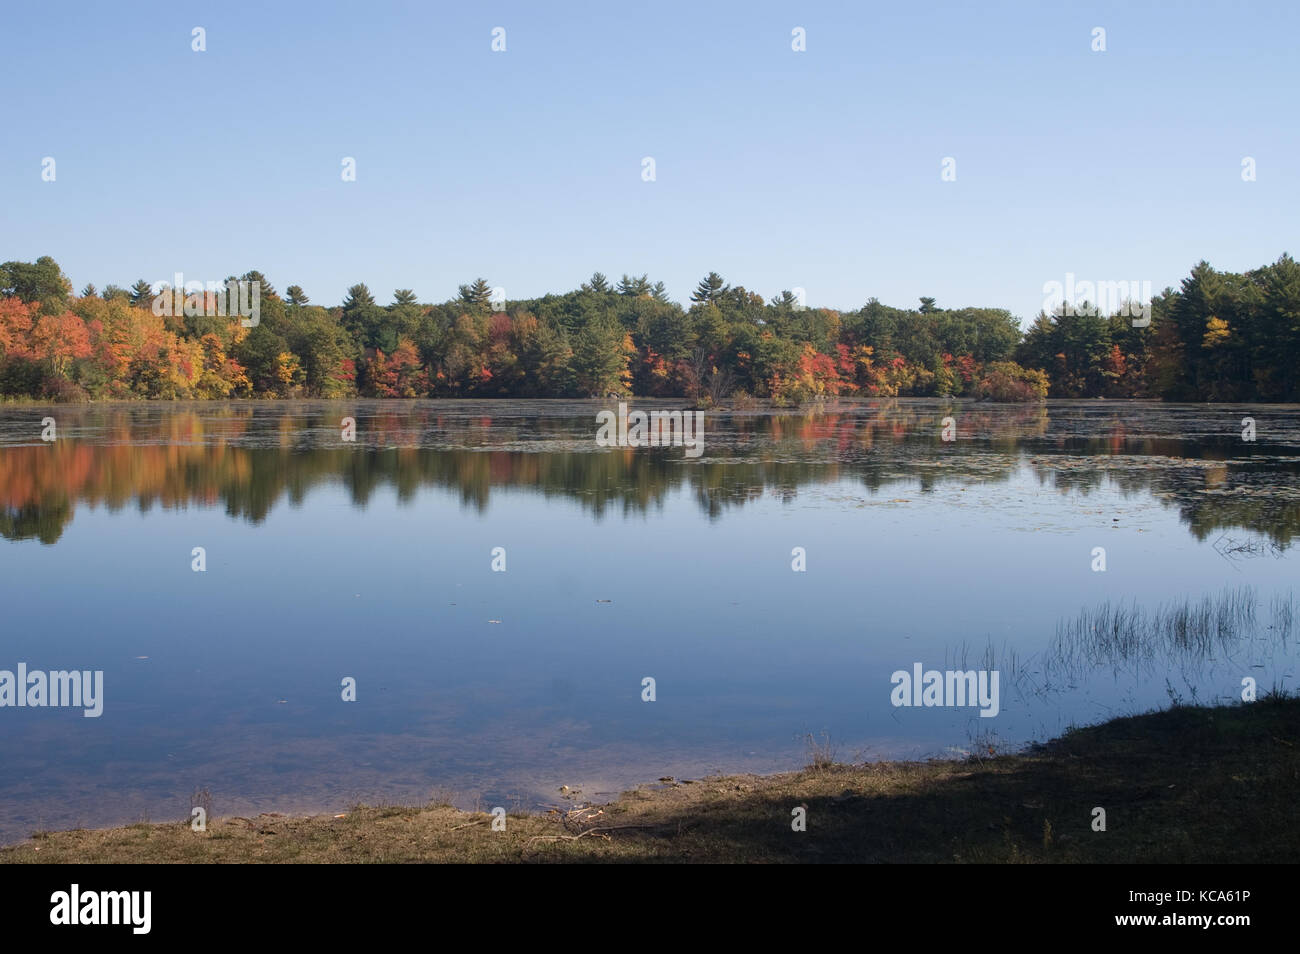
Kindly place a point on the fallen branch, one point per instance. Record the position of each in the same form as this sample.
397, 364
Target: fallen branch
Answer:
598, 832
591, 831
477, 821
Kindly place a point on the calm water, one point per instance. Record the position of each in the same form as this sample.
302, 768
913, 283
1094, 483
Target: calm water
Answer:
373, 559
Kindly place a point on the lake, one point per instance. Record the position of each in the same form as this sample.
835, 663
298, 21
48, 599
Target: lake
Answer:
325, 559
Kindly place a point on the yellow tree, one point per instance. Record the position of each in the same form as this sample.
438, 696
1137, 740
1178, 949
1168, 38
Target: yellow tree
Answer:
1216, 333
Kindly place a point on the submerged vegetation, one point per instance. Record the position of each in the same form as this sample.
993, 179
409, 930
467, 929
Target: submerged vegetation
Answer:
1222, 336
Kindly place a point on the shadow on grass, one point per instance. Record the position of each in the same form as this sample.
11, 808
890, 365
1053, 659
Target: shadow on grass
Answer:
1181, 785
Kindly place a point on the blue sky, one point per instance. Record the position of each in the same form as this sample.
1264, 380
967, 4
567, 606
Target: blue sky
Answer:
818, 169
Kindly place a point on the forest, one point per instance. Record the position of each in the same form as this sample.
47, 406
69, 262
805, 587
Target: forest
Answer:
1221, 336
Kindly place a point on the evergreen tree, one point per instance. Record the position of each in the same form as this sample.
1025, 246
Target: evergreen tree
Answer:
358, 297
265, 288
711, 289
141, 294
598, 283
476, 296
634, 287
405, 315
370, 325
600, 359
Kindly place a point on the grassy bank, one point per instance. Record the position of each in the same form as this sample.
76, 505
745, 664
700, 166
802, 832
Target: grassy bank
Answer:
1183, 785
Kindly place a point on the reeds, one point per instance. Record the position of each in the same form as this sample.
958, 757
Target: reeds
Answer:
1124, 635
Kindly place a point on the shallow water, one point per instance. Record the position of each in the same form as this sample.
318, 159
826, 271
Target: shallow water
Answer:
373, 560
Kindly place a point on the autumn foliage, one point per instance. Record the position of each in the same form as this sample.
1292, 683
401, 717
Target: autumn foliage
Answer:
1211, 340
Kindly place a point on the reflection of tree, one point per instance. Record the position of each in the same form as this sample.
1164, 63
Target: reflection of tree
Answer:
44, 522
248, 456
1214, 481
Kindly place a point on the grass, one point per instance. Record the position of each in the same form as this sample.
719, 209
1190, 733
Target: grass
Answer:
1186, 784
821, 752
1124, 635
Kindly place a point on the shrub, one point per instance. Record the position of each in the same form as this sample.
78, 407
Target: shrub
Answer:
1008, 381
20, 376
62, 391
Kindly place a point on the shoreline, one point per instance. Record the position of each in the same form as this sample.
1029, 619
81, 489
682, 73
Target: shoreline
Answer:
1183, 785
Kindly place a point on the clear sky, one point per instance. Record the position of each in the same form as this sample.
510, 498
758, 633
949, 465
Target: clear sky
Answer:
779, 169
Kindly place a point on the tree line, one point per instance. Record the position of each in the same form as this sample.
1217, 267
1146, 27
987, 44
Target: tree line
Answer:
1220, 337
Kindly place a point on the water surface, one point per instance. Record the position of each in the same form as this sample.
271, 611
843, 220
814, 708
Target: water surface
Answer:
373, 560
